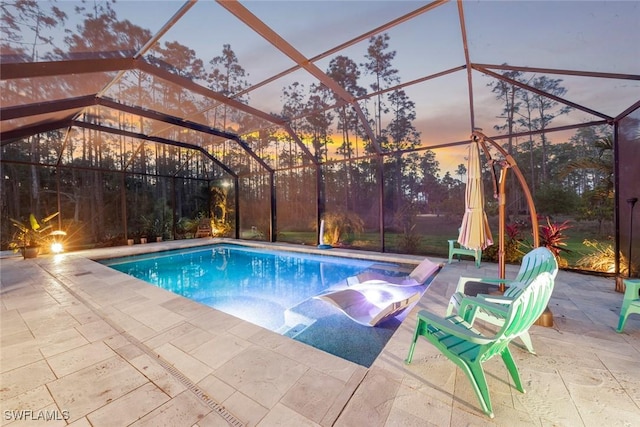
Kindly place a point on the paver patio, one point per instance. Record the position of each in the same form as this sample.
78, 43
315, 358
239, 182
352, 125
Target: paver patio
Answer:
87, 345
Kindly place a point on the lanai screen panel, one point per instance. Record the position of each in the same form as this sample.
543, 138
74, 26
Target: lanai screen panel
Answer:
209, 38
428, 43
42, 148
628, 161
573, 34
24, 91
297, 205
544, 96
192, 201
145, 90
255, 206
94, 31
116, 151
351, 194
37, 119
277, 148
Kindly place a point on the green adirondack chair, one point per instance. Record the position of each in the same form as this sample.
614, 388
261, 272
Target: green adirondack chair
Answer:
469, 349
630, 302
535, 262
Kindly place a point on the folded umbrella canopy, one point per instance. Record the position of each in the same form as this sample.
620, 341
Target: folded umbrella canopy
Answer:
474, 231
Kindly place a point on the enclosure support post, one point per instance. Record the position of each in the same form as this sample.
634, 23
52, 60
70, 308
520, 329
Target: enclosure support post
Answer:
174, 211
123, 202
381, 200
273, 226
58, 198
319, 196
236, 201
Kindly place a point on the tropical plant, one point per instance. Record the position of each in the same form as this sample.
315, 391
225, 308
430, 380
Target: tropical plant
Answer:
553, 238
405, 220
512, 251
340, 227
33, 233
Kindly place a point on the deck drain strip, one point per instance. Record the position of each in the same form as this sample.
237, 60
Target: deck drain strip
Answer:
215, 406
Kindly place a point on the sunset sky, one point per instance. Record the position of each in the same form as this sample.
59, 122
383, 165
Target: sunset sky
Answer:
595, 36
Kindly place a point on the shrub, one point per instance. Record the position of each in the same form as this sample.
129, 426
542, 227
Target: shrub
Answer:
340, 227
603, 258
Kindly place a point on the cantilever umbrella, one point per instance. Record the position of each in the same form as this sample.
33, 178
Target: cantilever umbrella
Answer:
474, 231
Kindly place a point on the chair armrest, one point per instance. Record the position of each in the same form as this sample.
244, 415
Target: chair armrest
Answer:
446, 325
632, 287
470, 305
463, 281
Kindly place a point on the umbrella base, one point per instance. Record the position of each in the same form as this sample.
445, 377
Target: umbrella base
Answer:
545, 319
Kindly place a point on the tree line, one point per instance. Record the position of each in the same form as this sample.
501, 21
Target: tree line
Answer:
161, 176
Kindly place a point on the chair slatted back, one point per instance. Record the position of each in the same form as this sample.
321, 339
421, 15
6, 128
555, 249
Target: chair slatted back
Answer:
525, 309
535, 262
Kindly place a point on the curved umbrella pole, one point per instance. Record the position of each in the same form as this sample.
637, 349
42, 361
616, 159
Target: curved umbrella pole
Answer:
477, 135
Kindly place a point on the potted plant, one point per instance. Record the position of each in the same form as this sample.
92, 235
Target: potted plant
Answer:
33, 235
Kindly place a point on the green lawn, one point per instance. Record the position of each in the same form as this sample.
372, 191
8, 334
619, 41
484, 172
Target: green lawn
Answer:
435, 231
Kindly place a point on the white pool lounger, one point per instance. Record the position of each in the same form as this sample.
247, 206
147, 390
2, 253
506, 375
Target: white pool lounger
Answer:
372, 302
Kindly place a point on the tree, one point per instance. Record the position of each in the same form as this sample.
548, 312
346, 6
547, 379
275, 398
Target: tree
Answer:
545, 108
24, 25
400, 135
228, 78
23, 30
598, 200
379, 66
461, 171
508, 94
345, 72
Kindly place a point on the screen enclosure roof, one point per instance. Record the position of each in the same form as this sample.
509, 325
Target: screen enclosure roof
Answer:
202, 74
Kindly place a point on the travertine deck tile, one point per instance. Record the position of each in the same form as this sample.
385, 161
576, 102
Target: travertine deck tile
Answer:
283, 416
216, 389
247, 410
220, 349
25, 378
154, 316
97, 330
31, 400
61, 342
372, 401
129, 408
313, 395
91, 388
9, 339
261, 374
12, 322
194, 369
19, 354
169, 335
79, 358
182, 411
192, 339
151, 369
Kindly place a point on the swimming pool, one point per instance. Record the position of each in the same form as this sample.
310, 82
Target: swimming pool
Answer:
270, 288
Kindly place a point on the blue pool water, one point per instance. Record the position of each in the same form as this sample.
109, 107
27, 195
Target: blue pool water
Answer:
273, 289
